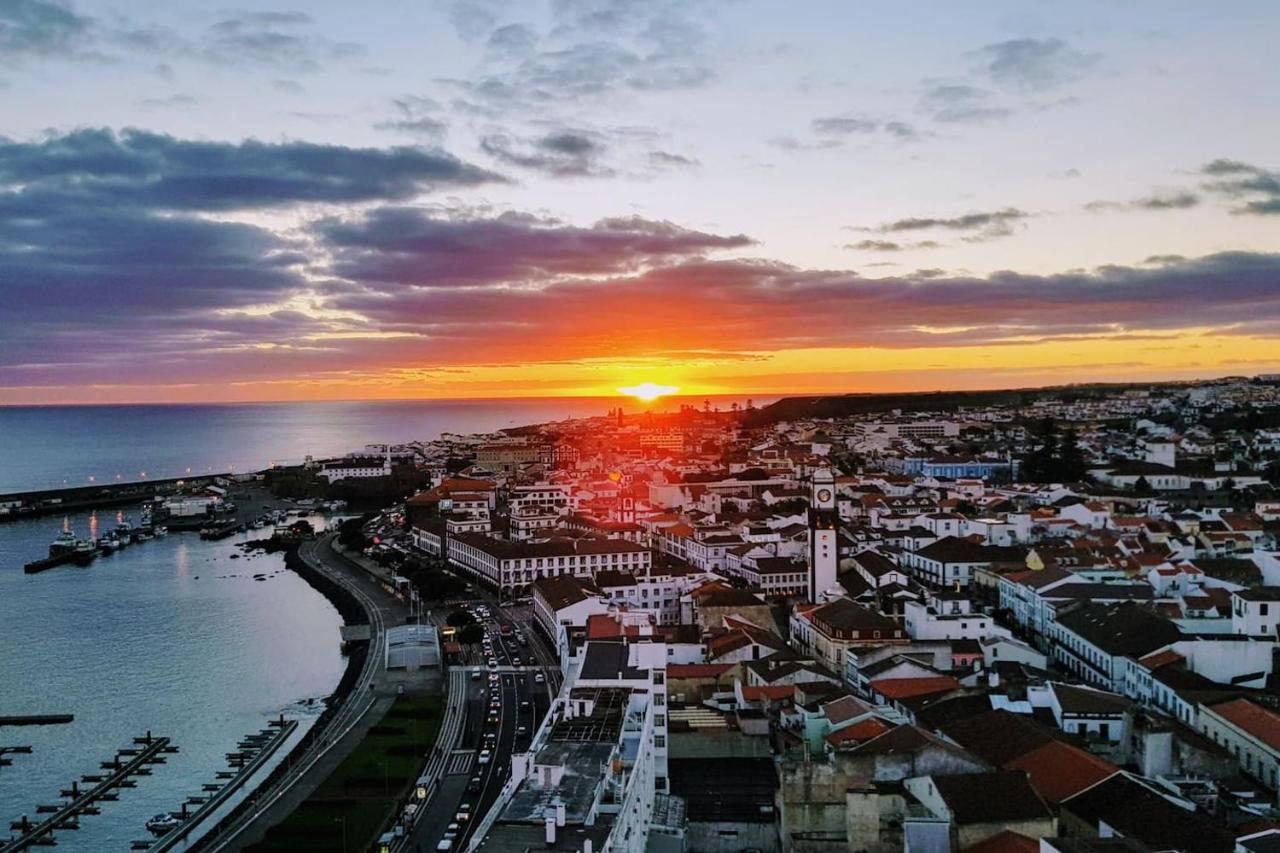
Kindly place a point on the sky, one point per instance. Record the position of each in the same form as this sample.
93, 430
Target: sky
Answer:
489, 198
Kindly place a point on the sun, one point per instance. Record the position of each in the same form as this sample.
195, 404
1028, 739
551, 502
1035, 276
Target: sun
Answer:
648, 391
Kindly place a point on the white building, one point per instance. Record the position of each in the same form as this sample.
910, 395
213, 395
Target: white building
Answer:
594, 777
945, 617
1255, 612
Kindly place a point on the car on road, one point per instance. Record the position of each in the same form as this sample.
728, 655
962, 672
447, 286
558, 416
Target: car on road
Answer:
475, 676
475, 785
445, 845
539, 678
522, 730
493, 663
464, 813
525, 706
485, 756
493, 678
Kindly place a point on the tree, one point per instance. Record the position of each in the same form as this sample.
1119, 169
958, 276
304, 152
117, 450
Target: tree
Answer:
1142, 487
1040, 465
459, 619
1071, 464
471, 634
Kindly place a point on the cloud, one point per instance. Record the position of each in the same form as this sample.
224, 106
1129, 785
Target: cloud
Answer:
178, 100
418, 116
278, 40
956, 103
589, 50
983, 225
560, 154
1171, 200
790, 143
39, 28
1251, 189
154, 171
397, 247
1033, 65
844, 125
853, 125
289, 87
668, 160
762, 305
272, 39
890, 245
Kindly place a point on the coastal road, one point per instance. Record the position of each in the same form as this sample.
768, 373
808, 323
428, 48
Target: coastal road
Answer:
371, 696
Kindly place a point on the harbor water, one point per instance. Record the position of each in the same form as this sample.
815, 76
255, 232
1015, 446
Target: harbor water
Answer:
171, 635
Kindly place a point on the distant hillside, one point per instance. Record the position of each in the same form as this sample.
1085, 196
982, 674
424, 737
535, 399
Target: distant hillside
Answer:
843, 405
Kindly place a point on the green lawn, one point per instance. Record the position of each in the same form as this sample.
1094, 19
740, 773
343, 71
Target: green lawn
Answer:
358, 795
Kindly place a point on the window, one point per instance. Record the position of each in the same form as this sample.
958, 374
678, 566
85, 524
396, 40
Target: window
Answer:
660, 741
660, 721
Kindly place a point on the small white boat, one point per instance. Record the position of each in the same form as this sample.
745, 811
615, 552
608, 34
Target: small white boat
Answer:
164, 822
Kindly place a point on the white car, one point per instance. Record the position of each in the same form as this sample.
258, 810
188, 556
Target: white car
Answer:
539, 678
485, 756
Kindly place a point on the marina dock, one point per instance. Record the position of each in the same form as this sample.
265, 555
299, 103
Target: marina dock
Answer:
254, 751
36, 719
84, 801
37, 566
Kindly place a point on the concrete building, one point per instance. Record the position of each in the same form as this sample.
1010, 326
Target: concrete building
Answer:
595, 776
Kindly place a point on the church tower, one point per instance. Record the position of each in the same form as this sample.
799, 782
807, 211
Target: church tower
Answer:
824, 528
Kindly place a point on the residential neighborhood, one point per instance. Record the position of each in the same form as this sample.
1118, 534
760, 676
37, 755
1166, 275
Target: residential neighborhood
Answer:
1043, 626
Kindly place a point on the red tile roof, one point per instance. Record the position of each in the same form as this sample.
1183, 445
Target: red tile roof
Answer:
1007, 841
909, 688
1252, 718
1059, 770
859, 732
697, 670
768, 691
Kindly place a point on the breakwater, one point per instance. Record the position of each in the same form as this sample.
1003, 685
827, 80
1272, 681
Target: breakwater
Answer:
17, 506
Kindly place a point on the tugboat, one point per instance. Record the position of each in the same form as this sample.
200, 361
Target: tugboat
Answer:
84, 553
108, 544
65, 543
163, 823
124, 530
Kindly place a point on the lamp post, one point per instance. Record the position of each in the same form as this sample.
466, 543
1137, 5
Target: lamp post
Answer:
343, 821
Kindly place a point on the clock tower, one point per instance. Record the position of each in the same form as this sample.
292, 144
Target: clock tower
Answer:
824, 526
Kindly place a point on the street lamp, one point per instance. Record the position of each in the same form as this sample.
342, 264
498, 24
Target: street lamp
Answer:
343, 821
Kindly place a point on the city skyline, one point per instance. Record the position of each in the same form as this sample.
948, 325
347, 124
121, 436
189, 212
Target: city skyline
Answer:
488, 199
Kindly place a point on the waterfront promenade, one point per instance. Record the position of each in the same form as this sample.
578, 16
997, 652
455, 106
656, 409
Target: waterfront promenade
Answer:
370, 698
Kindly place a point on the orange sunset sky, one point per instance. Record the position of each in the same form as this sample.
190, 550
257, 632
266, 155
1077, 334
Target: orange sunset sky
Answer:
477, 198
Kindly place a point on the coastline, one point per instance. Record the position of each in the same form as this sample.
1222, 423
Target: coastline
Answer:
352, 613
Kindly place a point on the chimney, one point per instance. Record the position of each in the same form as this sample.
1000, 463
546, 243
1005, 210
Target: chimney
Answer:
551, 831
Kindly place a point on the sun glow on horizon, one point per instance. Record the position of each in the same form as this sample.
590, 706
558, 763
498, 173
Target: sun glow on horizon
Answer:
648, 391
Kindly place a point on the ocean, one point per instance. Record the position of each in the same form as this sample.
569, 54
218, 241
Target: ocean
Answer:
43, 447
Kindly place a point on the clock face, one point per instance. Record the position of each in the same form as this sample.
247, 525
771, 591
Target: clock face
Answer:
824, 495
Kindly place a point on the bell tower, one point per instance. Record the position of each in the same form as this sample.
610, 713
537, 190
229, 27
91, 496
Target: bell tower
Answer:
824, 526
